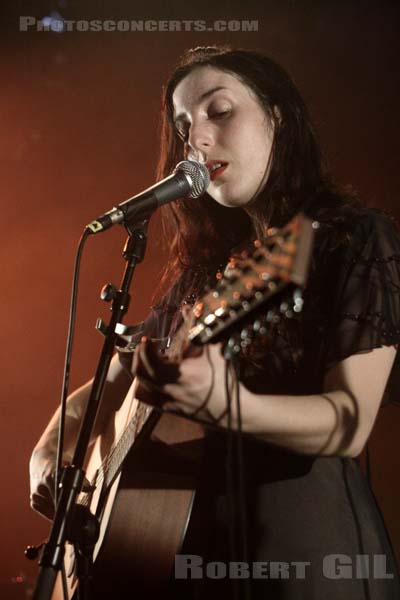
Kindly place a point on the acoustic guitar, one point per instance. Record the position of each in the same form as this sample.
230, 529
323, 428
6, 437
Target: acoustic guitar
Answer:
142, 470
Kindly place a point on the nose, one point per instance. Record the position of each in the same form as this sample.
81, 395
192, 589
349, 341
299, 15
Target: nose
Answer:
200, 141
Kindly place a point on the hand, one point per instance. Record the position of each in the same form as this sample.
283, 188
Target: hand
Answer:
42, 471
196, 388
42, 468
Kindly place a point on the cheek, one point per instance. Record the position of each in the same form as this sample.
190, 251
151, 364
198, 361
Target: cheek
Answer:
256, 157
261, 148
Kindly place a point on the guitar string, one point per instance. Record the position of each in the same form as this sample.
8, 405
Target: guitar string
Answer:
115, 453
130, 434
121, 448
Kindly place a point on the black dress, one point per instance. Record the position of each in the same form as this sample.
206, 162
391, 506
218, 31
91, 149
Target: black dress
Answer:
314, 530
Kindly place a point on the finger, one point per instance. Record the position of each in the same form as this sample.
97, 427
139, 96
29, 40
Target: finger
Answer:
188, 314
154, 367
175, 391
144, 366
46, 491
151, 395
216, 351
42, 506
44, 511
179, 394
87, 486
175, 408
193, 351
178, 409
135, 360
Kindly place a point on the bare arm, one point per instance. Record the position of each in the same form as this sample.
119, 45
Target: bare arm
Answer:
338, 421
43, 459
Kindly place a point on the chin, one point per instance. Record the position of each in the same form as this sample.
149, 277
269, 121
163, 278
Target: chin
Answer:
230, 204
228, 201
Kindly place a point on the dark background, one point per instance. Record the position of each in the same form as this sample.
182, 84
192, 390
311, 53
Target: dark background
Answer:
79, 133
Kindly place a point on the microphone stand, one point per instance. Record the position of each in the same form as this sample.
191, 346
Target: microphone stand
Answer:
69, 523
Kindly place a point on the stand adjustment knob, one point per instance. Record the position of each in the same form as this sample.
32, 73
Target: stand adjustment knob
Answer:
32, 552
108, 292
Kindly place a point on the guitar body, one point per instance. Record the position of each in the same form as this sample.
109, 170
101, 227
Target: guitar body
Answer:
150, 514
144, 510
143, 513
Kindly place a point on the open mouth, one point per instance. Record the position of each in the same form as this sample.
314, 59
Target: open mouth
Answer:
216, 168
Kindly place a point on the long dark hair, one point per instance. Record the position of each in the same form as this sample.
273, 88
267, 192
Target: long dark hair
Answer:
202, 233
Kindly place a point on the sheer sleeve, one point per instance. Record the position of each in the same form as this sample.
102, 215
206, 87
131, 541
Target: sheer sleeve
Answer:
366, 309
163, 318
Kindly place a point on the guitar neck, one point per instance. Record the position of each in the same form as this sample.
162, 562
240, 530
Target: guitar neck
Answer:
143, 421
254, 282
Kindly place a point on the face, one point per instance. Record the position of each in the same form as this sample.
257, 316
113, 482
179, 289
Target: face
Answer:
222, 123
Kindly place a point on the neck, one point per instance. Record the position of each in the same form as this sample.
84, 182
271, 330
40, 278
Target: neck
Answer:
256, 212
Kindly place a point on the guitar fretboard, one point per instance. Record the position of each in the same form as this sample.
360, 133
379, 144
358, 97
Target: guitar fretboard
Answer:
114, 460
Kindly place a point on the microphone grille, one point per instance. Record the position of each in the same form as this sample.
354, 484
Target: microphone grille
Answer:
199, 176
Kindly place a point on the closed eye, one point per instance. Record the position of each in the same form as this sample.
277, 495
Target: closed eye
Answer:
184, 134
219, 115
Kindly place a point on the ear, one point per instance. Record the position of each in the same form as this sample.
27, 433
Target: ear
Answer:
277, 113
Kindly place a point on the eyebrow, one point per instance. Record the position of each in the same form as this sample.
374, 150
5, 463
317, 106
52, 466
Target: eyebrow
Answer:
203, 96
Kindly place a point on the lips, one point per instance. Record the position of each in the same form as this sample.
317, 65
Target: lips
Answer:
216, 168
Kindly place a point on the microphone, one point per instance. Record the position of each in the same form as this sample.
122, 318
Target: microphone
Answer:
189, 179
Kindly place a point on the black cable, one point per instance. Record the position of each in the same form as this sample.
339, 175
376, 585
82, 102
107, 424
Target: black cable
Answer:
242, 504
368, 465
67, 361
230, 488
206, 400
64, 581
64, 391
361, 548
